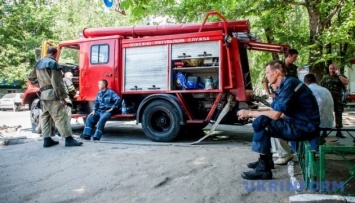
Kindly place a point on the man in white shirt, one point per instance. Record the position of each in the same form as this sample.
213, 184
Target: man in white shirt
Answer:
324, 100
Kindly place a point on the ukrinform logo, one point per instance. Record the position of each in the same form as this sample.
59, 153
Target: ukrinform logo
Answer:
287, 186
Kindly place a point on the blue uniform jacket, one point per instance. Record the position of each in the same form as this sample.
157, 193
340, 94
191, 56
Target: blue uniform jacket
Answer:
106, 100
297, 102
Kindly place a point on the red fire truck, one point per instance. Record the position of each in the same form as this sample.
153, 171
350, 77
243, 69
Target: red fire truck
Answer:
171, 77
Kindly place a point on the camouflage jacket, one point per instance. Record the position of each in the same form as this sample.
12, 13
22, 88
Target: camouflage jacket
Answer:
69, 86
333, 84
49, 74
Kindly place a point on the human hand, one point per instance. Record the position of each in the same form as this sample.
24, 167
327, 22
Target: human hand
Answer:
272, 95
337, 72
111, 109
243, 114
63, 102
76, 94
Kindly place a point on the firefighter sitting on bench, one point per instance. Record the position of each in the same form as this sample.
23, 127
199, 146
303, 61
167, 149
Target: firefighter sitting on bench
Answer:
294, 117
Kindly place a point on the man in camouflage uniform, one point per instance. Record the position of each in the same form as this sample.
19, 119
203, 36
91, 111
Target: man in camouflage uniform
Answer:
71, 91
335, 82
53, 94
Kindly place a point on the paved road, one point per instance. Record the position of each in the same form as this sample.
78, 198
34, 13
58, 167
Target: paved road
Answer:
129, 132
127, 167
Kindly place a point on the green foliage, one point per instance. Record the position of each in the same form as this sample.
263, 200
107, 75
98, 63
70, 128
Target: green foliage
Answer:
23, 25
72, 16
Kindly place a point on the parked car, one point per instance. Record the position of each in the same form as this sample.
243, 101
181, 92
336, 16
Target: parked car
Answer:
11, 101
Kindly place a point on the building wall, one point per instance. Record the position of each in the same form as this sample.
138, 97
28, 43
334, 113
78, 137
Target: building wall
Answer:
349, 72
5, 88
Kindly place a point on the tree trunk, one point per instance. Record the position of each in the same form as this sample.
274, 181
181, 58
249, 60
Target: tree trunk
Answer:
315, 29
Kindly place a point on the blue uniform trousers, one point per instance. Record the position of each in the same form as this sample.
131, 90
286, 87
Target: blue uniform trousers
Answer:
283, 129
98, 118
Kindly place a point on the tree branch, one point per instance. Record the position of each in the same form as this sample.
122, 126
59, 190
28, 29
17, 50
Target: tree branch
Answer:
295, 3
333, 12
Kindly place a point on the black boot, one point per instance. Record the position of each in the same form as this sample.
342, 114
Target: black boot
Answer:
261, 172
340, 135
48, 142
71, 142
255, 164
85, 137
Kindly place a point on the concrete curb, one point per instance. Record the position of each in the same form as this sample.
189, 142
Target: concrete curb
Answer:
305, 198
12, 141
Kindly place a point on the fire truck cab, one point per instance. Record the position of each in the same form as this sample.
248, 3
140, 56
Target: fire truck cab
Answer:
171, 77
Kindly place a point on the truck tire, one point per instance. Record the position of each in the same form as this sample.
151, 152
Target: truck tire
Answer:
160, 121
35, 112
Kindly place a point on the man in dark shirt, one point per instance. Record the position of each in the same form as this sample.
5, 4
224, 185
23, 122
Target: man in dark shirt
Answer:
294, 117
106, 102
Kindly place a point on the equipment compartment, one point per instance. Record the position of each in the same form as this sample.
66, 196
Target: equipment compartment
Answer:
195, 66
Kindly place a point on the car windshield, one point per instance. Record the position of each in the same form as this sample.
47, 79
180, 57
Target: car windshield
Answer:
9, 96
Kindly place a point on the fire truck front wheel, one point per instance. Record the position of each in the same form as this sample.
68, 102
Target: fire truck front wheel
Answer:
35, 112
160, 121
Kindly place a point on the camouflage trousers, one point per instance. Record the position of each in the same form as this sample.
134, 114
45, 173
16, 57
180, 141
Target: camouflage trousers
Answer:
338, 110
55, 115
338, 119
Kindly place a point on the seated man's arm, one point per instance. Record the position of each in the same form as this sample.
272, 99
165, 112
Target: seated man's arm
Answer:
117, 101
243, 114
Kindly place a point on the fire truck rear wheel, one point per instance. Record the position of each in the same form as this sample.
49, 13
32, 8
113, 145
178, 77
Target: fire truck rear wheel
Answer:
160, 121
35, 112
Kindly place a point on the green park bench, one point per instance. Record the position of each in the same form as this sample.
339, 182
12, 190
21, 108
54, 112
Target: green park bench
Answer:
313, 164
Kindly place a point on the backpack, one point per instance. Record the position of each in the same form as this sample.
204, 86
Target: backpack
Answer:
188, 81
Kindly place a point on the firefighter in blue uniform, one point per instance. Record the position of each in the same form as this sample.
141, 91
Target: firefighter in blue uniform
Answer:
106, 103
294, 117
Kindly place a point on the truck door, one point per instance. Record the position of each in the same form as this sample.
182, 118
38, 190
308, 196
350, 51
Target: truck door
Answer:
100, 63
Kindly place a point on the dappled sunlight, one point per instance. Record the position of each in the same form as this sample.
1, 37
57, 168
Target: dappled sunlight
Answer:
200, 161
79, 190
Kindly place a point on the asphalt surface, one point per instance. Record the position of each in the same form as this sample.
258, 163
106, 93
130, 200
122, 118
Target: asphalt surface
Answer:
125, 166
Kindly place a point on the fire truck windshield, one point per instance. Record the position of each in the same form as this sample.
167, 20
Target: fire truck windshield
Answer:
69, 56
